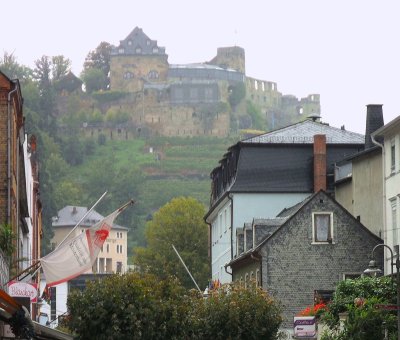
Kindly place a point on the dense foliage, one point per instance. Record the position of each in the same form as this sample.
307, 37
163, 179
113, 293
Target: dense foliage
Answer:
235, 312
360, 300
179, 223
136, 306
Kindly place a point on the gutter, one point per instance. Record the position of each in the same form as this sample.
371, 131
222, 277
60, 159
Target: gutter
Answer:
9, 154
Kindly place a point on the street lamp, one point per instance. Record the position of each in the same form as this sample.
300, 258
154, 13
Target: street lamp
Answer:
373, 270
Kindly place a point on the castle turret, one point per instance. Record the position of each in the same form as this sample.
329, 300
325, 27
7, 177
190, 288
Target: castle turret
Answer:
230, 57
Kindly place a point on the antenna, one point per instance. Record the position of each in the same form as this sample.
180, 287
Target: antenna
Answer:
180, 258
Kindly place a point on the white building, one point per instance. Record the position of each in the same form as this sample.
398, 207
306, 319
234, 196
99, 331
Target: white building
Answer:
390, 133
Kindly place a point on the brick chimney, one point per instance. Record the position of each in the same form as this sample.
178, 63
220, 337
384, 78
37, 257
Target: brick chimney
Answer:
319, 162
373, 123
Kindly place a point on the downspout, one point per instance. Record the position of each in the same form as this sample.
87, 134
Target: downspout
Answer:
383, 185
9, 155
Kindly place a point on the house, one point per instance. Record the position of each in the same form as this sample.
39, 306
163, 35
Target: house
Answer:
358, 178
388, 139
260, 176
113, 256
302, 253
13, 201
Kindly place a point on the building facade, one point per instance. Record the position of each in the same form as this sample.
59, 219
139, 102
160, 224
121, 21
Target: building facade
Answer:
360, 176
388, 138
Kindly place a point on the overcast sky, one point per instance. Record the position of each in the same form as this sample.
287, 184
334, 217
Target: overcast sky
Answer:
347, 51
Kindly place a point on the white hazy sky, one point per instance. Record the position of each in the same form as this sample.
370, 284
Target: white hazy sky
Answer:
347, 51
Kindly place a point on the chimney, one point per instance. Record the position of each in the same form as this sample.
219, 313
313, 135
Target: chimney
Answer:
374, 122
319, 162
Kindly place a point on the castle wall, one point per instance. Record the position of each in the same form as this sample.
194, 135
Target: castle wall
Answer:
263, 93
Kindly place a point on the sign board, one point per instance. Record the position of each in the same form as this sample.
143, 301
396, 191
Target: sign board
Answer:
305, 326
24, 290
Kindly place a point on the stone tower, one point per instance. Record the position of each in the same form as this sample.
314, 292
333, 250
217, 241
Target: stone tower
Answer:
230, 57
136, 60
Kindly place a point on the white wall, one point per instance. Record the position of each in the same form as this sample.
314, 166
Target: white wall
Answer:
245, 208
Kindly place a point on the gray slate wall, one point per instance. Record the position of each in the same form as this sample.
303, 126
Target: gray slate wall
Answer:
293, 267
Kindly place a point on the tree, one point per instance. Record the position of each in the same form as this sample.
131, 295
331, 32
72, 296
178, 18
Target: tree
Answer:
236, 312
100, 59
131, 306
42, 74
179, 223
61, 66
93, 79
137, 306
12, 69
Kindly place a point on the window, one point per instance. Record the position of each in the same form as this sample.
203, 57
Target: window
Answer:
225, 220
128, 75
138, 50
351, 276
322, 227
153, 74
220, 225
258, 278
392, 156
119, 267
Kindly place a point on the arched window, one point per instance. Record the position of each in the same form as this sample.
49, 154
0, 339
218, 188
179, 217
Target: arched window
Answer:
153, 74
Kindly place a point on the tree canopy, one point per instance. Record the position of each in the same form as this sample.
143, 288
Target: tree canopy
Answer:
136, 306
98, 59
179, 223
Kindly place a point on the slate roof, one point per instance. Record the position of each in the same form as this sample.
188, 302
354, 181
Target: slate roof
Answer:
71, 215
270, 222
304, 132
138, 40
283, 167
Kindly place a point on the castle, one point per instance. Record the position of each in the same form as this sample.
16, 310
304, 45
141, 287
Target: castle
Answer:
208, 98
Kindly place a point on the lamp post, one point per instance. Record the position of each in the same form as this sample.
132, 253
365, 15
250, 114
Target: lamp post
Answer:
373, 270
